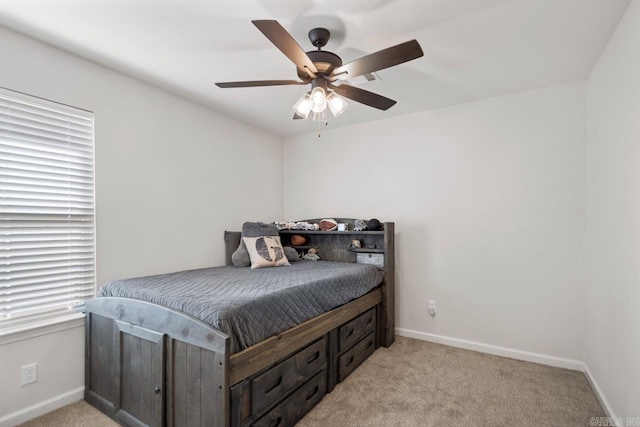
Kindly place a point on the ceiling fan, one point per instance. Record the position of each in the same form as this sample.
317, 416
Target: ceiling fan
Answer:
325, 72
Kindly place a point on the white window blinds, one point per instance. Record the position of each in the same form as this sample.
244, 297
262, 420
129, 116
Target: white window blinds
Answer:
46, 211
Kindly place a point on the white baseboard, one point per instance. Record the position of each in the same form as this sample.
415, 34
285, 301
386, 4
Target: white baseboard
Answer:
543, 359
599, 394
41, 408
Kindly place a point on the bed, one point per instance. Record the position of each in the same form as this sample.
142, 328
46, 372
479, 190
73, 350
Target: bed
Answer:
160, 354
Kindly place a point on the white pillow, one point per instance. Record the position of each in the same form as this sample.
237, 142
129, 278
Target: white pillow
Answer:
265, 251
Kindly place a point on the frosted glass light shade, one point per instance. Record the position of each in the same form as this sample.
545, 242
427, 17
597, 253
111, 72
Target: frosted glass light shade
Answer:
302, 107
320, 116
337, 104
318, 100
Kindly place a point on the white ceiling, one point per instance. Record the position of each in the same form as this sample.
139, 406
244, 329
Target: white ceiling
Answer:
473, 49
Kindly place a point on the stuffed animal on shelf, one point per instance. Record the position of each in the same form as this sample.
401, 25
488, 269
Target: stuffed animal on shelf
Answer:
359, 225
312, 255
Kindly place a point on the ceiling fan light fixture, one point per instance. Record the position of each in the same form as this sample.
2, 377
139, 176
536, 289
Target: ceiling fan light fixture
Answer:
302, 107
320, 116
337, 104
318, 100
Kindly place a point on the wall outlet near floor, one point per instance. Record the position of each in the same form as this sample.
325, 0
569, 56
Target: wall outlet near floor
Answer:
432, 307
29, 373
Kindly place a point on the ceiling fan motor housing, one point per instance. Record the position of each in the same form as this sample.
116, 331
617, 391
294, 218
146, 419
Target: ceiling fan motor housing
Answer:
324, 61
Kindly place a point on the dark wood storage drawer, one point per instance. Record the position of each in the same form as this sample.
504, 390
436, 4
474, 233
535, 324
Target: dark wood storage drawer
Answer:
353, 331
277, 382
297, 405
354, 357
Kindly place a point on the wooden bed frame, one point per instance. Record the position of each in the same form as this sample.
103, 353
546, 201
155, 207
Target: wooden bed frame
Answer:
150, 365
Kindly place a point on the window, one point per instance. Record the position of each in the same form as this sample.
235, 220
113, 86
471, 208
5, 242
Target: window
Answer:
47, 250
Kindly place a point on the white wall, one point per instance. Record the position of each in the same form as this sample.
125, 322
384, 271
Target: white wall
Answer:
487, 199
171, 176
612, 242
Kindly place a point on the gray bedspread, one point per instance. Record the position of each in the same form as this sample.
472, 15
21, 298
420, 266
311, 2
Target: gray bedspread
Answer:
252, 305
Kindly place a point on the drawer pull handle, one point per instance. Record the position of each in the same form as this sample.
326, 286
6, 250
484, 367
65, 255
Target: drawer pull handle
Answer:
349, 333
349, 362
156, 390
273, 387
276, 422
313, 392
370, 320
369, 345
313, 357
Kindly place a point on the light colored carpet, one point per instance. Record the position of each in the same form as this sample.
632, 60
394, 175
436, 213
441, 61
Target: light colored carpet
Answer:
416, 383
78, 414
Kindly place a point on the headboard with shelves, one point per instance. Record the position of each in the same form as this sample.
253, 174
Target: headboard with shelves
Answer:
336, 246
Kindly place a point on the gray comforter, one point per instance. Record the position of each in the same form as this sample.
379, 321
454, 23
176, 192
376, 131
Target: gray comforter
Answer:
251, 305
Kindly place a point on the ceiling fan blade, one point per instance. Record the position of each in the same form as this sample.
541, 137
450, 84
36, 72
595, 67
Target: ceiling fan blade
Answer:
261, 83
283, 41
297, 117
364, 96
381, 59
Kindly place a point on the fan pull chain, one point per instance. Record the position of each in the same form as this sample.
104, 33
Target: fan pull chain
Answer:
326, 123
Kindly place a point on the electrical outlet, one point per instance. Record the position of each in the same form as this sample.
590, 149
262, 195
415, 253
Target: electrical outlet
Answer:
432, 307
29, 373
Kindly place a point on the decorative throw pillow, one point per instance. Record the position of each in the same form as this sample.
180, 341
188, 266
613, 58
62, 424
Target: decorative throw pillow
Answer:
291, 254
265, 251
240, 258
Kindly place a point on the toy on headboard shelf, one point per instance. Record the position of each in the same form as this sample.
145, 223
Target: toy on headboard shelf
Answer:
328, 224
312, 255
291, 225
298, 240
374, 225
359, 225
